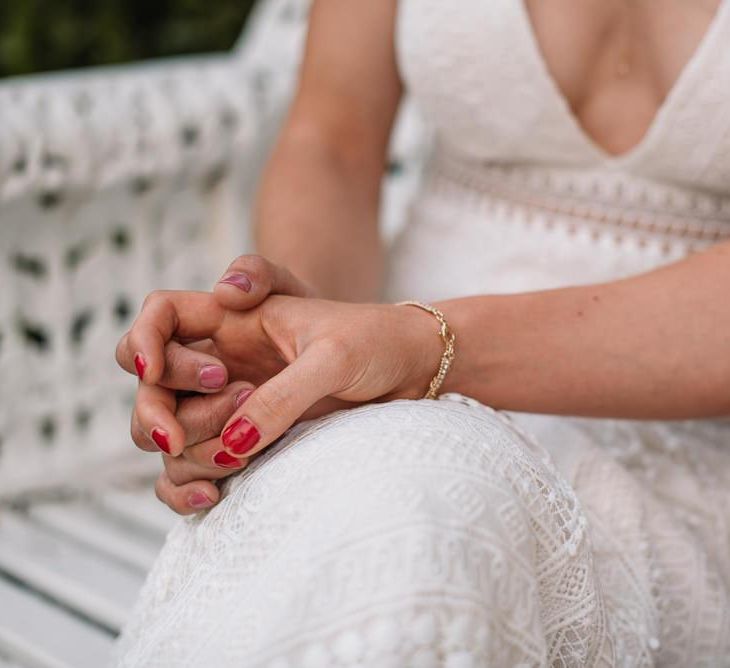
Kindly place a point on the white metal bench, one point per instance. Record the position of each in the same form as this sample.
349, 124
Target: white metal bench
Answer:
114, 182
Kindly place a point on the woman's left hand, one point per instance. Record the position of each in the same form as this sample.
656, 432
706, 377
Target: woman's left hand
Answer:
298, 351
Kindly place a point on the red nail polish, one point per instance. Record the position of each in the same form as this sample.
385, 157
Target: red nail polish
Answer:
161, 439
140, 365
199, 500
240, 281
242, 396
240, 436
222, 458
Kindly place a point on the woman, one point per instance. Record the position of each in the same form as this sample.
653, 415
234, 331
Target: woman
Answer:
582, 156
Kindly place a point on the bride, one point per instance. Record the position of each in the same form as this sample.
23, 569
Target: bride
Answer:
563, 501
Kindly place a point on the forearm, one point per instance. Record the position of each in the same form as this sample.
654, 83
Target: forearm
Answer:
317, 211
651, 346
317, 216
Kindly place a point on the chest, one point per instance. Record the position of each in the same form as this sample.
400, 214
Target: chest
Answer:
616, 61
591, 44
574, 83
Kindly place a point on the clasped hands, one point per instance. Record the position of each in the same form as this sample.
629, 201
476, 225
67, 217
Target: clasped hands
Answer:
222, 375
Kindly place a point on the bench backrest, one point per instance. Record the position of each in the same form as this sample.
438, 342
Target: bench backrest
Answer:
115, 182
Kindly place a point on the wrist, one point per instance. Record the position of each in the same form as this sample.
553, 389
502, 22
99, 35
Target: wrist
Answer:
490, 330
429, 347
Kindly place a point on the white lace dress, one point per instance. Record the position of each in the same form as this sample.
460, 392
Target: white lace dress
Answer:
443, 533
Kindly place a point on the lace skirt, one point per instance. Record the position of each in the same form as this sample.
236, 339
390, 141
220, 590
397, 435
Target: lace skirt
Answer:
435, 533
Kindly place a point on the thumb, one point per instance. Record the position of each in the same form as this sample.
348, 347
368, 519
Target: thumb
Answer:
250, 279
277, 404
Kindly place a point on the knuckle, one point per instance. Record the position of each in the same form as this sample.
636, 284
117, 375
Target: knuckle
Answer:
119, 351
160, 489
174, 470
139, 438
166, 496
177, 507
154, 298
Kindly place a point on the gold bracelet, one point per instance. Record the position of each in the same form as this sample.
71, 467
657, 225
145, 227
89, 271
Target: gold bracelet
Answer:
449, 339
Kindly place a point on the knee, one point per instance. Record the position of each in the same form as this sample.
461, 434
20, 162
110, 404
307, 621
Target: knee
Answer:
399, 435
401, 457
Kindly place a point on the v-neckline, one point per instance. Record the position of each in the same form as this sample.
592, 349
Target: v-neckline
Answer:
683, 81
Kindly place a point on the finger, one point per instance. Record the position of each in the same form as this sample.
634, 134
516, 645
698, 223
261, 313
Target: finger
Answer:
203, 417
189, 369
203, 461
140, 437
276, 405
189, 498
124, 358
249, 279
154, 420
164, 315
172, 424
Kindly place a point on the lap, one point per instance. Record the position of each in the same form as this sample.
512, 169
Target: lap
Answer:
452, 461
434, 522
430, 533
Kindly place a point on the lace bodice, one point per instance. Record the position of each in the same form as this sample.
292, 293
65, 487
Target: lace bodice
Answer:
516, 196
480, 79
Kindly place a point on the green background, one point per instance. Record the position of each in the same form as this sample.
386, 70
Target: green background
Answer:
45, 35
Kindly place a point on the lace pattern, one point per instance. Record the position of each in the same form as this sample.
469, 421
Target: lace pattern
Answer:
437, 534
412, 533
613, 204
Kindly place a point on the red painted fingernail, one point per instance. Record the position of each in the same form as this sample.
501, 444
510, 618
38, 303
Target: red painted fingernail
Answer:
240, 436
241, 281
212, 376
242, 396
222, 458
199, 500
161, 439
140, 364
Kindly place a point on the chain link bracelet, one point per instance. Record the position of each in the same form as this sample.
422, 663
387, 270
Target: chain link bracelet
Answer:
449, 339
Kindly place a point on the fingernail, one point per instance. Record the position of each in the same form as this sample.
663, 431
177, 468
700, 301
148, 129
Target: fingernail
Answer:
242, 396
161, 439
240, 436
140, 364
222, 458
241, 281
212, 376
199, 500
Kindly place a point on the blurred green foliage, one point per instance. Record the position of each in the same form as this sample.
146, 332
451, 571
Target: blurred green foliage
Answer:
43, 35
